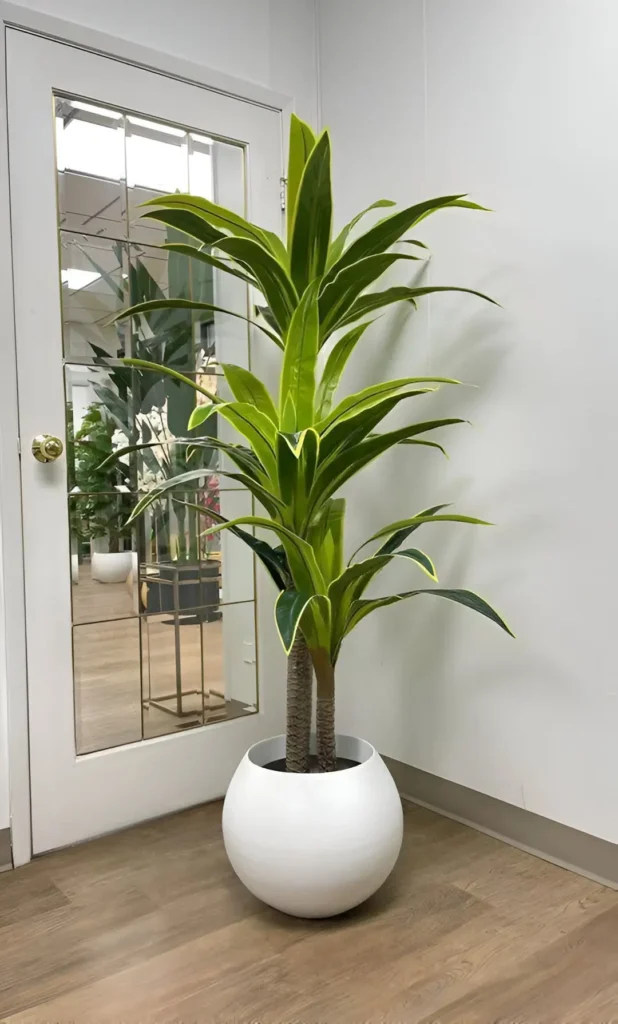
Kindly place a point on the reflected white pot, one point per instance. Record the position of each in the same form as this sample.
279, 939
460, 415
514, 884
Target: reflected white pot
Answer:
111, 566
313, 845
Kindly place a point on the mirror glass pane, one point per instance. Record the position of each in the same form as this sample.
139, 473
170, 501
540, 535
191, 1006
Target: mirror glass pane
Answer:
106, 666
163, 609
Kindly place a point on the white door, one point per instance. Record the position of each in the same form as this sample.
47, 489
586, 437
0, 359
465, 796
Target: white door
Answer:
144, 688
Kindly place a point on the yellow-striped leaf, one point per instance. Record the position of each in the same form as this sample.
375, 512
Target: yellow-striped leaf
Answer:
335, 365
297, 383
246, 387
302, 141
313, 217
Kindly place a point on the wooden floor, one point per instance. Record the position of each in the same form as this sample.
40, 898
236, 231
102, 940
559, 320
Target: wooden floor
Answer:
151, 926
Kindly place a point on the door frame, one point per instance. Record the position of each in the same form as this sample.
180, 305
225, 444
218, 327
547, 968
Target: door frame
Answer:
14, 733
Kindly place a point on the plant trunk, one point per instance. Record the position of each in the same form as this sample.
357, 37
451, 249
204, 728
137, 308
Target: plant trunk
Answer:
299, 693
325, 711
325, 726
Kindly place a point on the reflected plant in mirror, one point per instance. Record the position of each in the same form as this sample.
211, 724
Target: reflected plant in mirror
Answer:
299, 447
99, 519
152, 410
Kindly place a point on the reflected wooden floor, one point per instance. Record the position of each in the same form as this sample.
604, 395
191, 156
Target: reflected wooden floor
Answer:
112, 664
150, 927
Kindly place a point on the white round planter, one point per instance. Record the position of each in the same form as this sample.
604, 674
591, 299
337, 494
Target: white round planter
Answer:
313, 845
111, 566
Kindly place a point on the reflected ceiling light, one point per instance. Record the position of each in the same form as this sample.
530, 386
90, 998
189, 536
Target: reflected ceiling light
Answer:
76, 279
155, 126
96, 110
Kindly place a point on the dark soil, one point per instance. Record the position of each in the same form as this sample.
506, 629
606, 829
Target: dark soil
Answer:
342, 764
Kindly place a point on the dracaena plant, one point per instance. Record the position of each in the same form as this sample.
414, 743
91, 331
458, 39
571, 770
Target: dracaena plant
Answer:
299, 447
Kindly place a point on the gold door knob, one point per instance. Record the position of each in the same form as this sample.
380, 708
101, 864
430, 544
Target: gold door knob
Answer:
47, 448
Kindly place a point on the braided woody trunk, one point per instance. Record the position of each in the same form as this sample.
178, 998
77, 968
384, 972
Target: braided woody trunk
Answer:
299, 693
325, 711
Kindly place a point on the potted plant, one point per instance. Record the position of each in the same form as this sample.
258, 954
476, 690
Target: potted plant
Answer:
313, 825
100, 517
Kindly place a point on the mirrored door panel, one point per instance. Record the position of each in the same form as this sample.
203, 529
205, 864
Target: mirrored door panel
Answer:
162, 609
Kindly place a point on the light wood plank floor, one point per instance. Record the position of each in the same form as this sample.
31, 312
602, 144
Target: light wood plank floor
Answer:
150, 925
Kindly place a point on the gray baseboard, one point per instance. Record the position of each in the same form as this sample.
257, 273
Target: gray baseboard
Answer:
6, 858
568, 847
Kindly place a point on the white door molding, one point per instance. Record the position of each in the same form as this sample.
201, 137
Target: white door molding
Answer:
14, 741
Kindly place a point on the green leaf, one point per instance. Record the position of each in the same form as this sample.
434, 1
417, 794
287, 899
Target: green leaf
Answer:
375, 393
464, 204
351, 431
362, 608
337, 298
257, 428
277, 248
289, 608
313, 217
335, 365
427, 444
349, 462
265, 313
186, 222
273, 559
398, 537
154, 304
200, 414
213, 214
353, 581
398, 531
338, 245
309, 455
360, 572
287, 469
272, 277
386, 232
301, 558
205, 257
377, 300
242, 457
316, 624
415, 521
302, 141
288, 414
271, 502
330, 551
412, 241
172, 483
422, 560
246, 387
297, 382
145, 364
430, 290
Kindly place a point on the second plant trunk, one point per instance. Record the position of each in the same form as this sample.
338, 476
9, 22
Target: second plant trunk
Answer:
325, 710
299, 693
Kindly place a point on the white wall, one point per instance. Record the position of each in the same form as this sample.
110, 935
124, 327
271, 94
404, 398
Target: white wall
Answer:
516, 104
271, 42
